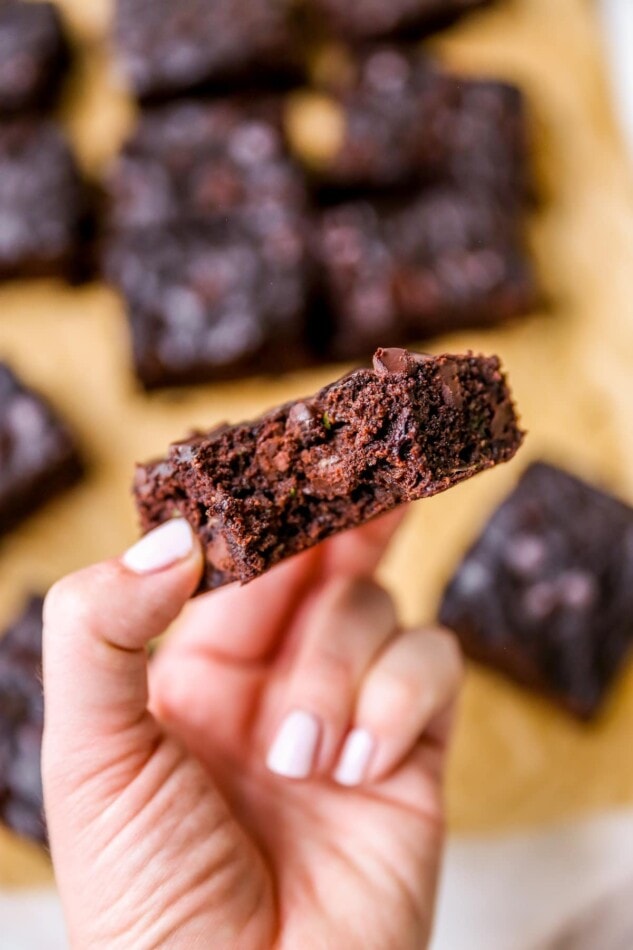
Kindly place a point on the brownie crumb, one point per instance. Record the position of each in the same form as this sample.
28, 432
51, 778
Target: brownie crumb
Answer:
259, 492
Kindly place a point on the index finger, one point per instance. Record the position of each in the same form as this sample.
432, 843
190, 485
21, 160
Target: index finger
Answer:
247, 623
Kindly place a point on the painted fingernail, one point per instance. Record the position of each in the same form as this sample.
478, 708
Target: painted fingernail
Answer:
293, 752
162, 547
354, 758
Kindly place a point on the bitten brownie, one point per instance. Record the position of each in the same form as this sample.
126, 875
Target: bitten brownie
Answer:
371, 19
259, 492
545, 595
393, 117
38, 455
42, 201
436, 263
168, 48
33, 55
193, 159
21, 725
212, 300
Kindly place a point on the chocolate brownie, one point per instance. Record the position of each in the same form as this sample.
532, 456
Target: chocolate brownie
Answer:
442, 261
546, 594
193, 159
38, 455
370, 19
259, 492
393, 117
42, 201
168, 48
211, 300
21, 725
33, 55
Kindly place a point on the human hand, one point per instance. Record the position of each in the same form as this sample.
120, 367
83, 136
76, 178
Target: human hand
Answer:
168, 824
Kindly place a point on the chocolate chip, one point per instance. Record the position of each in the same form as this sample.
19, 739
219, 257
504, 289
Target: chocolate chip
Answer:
396, 360
451, 386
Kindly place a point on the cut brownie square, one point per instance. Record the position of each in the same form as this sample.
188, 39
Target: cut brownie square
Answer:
21, 725
393, 117
33, 55
440, 262
371, 19
259, 492
212, 300
194, 159
42, 201
167, 48
545, 595
38, 455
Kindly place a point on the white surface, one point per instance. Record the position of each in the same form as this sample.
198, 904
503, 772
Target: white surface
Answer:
617, 18
569, 888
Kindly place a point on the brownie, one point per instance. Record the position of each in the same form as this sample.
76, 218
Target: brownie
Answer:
168, 48
441, 261
545, 595
33, 55
371, 19
213, 299
193, 159
21, 725
38, 455
395, 118
259, 492
42, 201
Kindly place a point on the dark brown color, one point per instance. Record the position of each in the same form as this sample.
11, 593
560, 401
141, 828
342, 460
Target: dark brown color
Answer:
372, 19
38, 456
33, 55
21, 725
545, 595
260, 492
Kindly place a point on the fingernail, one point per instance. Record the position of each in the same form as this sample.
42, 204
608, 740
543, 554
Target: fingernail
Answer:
354, 758
293, 752
165, 545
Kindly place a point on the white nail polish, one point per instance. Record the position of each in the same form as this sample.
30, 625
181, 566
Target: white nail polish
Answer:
293, 752
354, 758
162, 547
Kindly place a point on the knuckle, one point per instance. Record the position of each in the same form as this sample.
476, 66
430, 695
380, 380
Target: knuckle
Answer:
73, 595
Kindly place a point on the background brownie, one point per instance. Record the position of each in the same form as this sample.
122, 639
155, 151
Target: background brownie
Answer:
42, 201
38, 456
214, 299
166, 48
259, 492
21, 725
365, 19
546, 594
396, 118
33, 55
193, 159
439, 262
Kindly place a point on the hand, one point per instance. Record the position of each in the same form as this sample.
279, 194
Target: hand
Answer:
277, 783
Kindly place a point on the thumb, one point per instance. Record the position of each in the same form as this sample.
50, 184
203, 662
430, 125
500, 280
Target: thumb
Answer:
97, 624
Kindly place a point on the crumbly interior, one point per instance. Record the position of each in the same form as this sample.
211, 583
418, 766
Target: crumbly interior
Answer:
257, 493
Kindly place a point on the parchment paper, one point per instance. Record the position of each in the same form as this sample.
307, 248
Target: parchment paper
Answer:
516, 762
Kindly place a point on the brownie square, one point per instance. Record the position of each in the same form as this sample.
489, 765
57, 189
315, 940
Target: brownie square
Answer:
38, 455
396, 118
42, 201
212, 300
195, 159
168, 48
21, 725
545, 595
441, 261
33, 55
262, 491
373, 19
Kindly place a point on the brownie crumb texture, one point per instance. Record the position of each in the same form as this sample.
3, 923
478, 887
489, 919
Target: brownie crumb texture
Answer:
38, 455
21, 725
545, 595
259, 492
